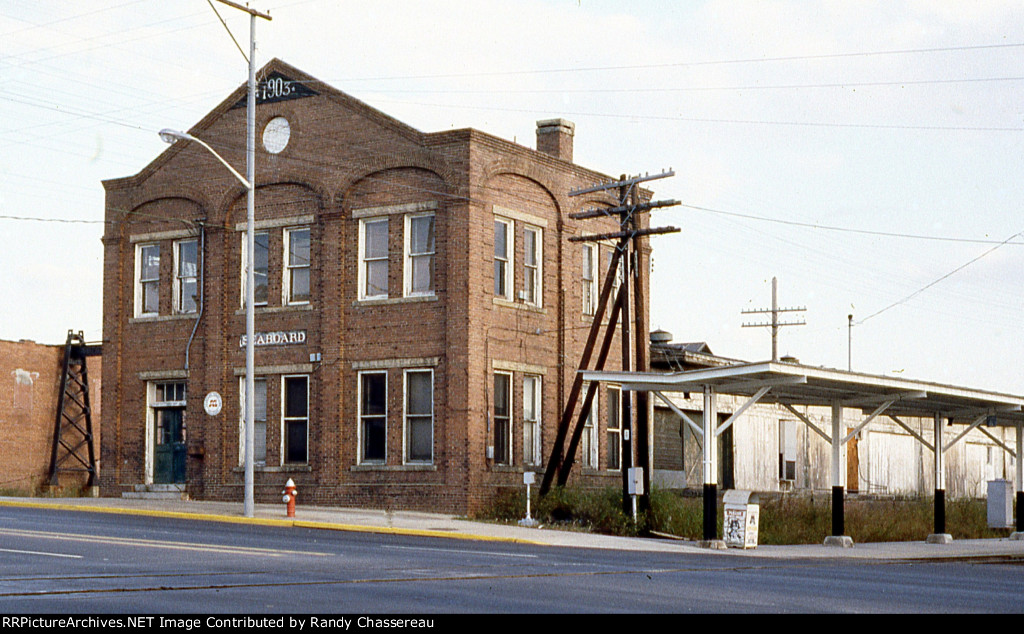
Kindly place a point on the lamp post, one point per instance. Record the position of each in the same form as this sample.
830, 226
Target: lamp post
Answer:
171, 136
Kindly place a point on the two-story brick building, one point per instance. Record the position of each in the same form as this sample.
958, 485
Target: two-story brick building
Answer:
420, 310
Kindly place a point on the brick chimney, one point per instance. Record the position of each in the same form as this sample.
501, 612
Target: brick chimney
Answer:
554, 137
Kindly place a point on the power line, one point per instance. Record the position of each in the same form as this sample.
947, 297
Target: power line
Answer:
887, 234
749, 60
927, 286
864, 84
812, 124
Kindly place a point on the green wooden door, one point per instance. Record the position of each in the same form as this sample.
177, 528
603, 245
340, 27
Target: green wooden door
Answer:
169, 446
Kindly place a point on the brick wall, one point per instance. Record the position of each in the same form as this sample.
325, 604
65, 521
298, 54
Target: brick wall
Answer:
30, 373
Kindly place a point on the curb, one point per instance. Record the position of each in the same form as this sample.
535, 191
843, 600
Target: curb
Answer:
259, 521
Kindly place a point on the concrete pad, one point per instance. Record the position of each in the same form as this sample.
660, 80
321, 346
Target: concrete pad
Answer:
839, 541
939, 538
713, 544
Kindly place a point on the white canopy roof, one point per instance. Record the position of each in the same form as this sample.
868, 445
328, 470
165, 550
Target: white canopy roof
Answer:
796, 384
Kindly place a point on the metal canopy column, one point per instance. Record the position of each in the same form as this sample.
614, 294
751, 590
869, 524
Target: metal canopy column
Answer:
940, 536
838, 471
838, 538
1020, 482
710, 466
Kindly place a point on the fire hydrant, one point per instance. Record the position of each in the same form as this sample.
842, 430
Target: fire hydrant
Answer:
289, 496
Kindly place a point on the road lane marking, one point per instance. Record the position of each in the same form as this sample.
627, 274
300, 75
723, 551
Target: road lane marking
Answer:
33, 552
147, 543
461, 551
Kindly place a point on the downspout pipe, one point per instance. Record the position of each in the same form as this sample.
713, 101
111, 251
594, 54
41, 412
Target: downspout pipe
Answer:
202, 290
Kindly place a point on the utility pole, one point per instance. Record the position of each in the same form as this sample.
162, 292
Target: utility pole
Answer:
248, 504
627, 238
775, 323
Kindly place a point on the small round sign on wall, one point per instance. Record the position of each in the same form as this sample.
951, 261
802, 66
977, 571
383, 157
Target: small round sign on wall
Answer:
213, 403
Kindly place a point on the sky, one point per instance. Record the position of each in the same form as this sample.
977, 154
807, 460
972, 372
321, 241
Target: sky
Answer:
867, 155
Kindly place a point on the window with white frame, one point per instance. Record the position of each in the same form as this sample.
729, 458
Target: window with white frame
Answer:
614, 428
297, 266
147, 288
617, 280
588, 442
589, 277
261, 267
186, 276
259, 421
419, 254
373, 416
533, 242
419, 416
295, 419
787, 450
373, 258
532, 420
503, 251
502, 418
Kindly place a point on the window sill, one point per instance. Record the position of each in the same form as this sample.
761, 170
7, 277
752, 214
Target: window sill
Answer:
386, 467
501, 301
288, 468
508, 468
142, 319
266, 310
385, 301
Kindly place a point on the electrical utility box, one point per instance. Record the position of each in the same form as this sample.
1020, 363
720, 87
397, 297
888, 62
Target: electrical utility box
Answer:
742, 511
1000, 504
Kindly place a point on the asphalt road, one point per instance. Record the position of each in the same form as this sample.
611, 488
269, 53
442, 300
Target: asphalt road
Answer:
64, 562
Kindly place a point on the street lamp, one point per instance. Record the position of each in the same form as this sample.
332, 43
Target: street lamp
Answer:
172, 136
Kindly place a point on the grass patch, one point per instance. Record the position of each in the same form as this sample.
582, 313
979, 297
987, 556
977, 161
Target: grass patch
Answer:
784, 519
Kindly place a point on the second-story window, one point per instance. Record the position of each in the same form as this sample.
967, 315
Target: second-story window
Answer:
419, 265
297, 266
261, 268
186, 287
589, 279
373, 258
503, 259
147, 301
532, 249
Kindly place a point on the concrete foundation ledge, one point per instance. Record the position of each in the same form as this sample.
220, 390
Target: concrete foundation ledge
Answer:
1018, 536
713, 544
939, 538
839, 541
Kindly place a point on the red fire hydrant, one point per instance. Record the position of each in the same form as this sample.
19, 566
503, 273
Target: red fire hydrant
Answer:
289, 496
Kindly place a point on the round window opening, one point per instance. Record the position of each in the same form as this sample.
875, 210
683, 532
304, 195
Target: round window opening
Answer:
276, 134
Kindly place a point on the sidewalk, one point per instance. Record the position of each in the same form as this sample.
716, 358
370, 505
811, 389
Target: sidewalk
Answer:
440, 525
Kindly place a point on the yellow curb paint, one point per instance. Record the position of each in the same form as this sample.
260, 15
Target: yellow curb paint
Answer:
415, 532
206, 517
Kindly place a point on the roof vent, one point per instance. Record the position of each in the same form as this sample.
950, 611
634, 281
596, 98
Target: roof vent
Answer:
661, 336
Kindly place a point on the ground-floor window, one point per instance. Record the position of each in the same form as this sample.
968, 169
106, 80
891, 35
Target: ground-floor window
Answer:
502, 418
373, 416
419, 416
588, 442
531, 420
259, 422
295, 419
